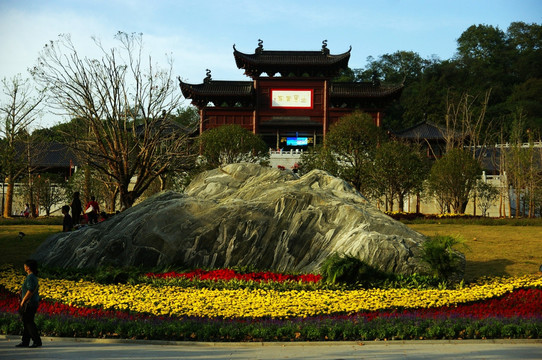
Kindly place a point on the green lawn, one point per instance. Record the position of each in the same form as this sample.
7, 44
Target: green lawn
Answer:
494, 250
16, 250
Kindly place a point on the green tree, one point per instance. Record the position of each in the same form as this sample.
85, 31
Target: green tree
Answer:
398, 67
526, 96
484, 52
230, 144
452, 178
352, 142
399, 169
320, 158
187, 116
486, 194
526, 41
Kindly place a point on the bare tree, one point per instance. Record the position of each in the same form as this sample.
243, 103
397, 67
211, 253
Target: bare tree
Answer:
17, 113
466, 121
124, 106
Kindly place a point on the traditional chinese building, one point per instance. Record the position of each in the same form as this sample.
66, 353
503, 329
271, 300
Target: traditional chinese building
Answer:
291, 100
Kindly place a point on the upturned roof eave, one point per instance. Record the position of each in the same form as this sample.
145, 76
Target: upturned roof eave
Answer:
242, 59
217, 88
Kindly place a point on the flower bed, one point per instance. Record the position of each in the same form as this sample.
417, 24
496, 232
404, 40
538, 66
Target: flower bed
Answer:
229, 274
500, 308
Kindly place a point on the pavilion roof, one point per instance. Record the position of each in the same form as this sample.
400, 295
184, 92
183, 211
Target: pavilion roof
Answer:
231, 92
218, 92
288, 63
221, 88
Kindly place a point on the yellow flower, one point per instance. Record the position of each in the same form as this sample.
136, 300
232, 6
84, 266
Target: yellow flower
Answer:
177, 301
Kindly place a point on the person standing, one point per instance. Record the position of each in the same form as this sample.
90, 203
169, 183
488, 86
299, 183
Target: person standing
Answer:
67, 222
77, 208
29, 305
92, 209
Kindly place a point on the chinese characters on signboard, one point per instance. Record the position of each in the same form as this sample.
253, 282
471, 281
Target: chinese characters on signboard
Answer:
301, 99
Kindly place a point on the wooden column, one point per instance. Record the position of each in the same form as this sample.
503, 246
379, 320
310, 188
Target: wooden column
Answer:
325, 119
201, 114
255, 111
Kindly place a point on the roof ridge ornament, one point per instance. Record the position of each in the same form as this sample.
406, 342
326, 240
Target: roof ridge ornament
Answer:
259, 49
207, 76
325, 50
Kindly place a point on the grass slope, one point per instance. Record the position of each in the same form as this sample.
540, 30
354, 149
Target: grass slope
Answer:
494, 250
16, 250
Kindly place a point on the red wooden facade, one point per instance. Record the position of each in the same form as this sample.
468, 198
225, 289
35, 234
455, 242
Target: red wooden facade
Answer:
302, 102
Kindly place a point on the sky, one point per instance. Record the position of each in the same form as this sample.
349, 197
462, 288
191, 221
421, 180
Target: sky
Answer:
200, 34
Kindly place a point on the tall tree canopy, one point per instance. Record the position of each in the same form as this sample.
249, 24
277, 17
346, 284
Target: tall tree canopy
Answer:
505, 63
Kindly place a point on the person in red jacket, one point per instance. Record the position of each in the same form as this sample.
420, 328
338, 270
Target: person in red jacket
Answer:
92, 209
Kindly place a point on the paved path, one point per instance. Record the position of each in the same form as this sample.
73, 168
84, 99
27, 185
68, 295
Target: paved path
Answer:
65, 348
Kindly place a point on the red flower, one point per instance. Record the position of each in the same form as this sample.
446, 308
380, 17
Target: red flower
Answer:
228, 274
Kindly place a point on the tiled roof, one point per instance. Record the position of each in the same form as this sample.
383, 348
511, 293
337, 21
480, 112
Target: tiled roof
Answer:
303, 58
49, 155
423, 130
214, 89
220, 88
364, 89
314, 63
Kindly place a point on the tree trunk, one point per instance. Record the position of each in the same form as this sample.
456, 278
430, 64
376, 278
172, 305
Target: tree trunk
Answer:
401, 201
463, 207
163, 182
509, 203
113, 201
9, 198
127, 198
500, 205
518, 205
86, 184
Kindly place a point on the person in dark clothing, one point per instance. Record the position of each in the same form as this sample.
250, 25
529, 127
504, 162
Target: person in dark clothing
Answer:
77, 208
67, 224
29, 305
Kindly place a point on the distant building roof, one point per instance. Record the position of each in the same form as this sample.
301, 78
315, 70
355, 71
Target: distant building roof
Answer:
48, 155
424, 130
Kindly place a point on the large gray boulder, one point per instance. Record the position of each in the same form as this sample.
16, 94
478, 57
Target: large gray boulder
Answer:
244, 214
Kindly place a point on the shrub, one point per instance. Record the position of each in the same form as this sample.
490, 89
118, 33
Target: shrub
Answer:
439, 253
350, 270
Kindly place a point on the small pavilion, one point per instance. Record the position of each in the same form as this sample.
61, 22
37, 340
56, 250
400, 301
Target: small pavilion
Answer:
291, 100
